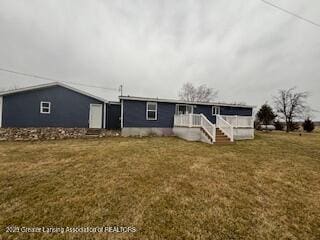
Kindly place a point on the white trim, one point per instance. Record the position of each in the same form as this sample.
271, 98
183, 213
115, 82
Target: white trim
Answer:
51, 85
1, 108
42, 107
95, 104
155, 111
184, 102
177, 108
104, 115
215, 112
121, 116
114, 103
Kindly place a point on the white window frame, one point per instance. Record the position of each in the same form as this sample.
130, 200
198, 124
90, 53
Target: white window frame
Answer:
148, 110
186, 105
215, 110
42, 107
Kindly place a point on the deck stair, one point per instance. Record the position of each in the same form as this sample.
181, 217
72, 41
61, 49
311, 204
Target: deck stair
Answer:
208, 138
219, 133
221, 138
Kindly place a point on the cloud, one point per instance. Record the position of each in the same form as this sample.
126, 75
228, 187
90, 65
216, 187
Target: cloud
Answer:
245, 49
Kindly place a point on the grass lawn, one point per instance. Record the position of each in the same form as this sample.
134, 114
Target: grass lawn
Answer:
167, 188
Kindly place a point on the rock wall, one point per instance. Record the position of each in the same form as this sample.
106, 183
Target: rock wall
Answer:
32, 134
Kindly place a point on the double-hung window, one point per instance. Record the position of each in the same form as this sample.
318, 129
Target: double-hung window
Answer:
152, 111
215, 110
45, 107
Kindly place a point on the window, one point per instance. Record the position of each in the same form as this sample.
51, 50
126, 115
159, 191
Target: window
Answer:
45, 107
152, 109
184, 109
215, 110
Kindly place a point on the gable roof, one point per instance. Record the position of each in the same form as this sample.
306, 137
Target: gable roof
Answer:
40, 86
184, 102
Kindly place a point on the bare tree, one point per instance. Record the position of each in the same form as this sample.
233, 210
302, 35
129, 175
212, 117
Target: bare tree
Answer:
290, 105
201, 93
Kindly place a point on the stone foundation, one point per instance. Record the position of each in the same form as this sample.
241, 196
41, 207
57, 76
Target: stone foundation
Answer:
32, 134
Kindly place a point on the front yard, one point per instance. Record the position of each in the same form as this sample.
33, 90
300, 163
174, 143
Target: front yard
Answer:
166, 188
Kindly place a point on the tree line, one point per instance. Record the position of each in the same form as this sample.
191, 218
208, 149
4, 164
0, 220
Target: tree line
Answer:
289, 105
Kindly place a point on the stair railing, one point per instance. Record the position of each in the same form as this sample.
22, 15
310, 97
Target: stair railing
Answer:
208, 127
225, 127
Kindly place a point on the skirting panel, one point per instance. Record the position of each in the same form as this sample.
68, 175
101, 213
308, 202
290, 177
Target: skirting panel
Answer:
243, 133
146, 132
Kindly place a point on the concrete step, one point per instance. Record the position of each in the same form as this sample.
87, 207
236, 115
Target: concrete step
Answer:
93, 132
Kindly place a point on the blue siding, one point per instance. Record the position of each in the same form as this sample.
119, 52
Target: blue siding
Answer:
205, 110
134, 113
68, 108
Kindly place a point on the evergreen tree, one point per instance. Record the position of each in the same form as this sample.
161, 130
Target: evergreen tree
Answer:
265, 115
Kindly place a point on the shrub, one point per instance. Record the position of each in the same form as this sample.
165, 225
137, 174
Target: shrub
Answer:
293, 126
308, 125
279, 125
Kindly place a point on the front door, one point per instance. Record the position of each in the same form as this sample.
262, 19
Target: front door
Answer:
95, 116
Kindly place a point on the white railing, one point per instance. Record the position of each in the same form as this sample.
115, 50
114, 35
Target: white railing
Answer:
225, 127
187, 120
196, 120
209, 127
239, 121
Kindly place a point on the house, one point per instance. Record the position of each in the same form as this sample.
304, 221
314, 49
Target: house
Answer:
195, 121
60, 105
57, 105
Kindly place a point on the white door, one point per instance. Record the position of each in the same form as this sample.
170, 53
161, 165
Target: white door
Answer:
95, 116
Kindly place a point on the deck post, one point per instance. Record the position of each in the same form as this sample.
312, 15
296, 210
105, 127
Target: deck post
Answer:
190, 120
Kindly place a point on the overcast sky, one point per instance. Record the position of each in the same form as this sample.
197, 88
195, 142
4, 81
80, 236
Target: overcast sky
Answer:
244, 49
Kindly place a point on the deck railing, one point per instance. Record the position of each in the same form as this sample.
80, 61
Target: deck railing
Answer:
225, 123
225, 127
196, 120
239, 121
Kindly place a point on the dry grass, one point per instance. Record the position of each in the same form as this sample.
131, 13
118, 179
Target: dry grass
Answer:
167, 188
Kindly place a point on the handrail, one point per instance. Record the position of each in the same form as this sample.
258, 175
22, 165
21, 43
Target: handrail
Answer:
196, 120
225, 127
209, 127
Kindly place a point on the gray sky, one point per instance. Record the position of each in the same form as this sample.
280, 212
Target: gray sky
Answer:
245, 49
